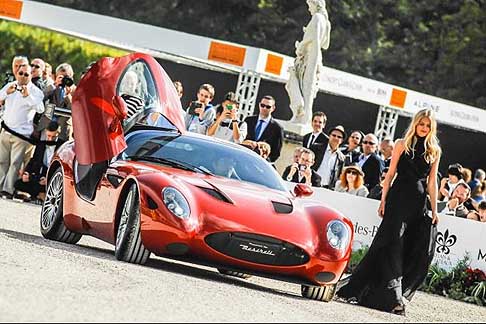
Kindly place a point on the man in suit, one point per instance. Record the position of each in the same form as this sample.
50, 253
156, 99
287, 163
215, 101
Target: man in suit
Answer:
370, 162
302, 172
263, 128
33, 178
332, 160
317, 140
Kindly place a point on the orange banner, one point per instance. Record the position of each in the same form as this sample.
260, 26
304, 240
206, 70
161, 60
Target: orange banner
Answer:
274, 64
11, 8
398, 98
226, 53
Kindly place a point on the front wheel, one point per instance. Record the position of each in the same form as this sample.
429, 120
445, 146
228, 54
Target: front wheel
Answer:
51, 221
324, 293
129, 246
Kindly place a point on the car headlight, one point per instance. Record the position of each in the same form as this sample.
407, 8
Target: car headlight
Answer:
338, 234
176, 202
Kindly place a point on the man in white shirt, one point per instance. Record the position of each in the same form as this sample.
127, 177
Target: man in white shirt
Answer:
333, 159
22, 101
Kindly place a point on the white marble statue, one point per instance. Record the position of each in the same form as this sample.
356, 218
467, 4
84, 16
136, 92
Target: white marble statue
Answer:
302, 85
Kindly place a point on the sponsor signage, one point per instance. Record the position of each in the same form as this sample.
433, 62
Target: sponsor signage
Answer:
226, 53
274, 64
11, 8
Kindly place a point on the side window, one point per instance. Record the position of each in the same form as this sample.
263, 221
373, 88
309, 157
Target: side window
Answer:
138, 90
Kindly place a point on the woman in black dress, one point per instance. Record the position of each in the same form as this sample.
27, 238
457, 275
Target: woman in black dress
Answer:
402, 250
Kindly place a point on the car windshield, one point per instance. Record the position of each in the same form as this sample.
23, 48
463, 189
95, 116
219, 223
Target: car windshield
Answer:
202, 155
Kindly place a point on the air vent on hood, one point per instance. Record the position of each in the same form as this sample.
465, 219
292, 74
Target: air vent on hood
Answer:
216, 194
282, 208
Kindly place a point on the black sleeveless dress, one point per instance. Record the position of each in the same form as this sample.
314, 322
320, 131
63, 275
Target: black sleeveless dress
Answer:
402, 250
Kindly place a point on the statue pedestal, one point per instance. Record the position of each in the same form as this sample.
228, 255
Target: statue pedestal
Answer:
297, 128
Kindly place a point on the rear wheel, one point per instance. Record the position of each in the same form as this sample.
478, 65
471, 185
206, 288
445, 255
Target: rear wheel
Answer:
129, 246
324, 293
51, 221
234, 274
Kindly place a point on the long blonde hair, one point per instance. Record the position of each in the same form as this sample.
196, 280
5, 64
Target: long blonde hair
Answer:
431, 143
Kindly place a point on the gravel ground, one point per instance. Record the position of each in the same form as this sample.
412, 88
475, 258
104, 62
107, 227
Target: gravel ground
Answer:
46, 281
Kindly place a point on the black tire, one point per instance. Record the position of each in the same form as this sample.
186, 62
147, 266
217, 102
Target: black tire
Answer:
129, 246
324, 293
234, 274
51, 220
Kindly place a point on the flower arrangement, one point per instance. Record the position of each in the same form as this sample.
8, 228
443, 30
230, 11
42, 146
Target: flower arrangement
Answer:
461, 283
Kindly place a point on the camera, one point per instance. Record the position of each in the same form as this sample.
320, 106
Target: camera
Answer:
302, 167
229, 107
18, 88
193, 106
67, 81
9, 77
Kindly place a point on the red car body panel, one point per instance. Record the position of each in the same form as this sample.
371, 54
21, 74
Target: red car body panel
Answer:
249, 207
97, 113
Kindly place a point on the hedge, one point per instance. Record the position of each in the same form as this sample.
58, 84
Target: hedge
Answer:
53, 47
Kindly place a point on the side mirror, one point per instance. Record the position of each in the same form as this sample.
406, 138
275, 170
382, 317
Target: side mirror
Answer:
120, 107
302, 190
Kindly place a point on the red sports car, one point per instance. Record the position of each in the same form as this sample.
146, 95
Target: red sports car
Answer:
134, 178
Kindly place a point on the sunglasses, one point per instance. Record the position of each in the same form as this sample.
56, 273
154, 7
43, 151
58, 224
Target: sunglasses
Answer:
265, 106
35, 66
370, 143
336, 135
352, 172
25, 74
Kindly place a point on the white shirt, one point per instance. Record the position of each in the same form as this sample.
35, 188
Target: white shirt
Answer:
327, 165
226, 133
265, 123
48, 154
19, 112
362, 159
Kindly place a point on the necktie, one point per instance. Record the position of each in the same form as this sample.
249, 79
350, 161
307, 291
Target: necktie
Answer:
258, 128
311, 141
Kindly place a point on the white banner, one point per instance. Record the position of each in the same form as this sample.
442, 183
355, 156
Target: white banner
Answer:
456, 236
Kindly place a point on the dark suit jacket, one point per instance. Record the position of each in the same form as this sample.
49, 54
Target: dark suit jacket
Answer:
315, 178
318, 147
273, 135
372, 168
36, 166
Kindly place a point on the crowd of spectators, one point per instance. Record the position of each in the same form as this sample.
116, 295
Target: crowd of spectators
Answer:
35, 120
36, 105
357, 164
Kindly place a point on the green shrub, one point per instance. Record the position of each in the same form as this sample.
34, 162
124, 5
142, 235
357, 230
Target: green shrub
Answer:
53, 47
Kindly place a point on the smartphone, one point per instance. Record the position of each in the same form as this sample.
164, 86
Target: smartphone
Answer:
229, 107
193, 106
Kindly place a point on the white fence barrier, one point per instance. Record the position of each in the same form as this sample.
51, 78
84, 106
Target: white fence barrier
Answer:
456, 236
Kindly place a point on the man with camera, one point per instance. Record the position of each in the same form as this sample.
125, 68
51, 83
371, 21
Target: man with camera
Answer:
200, 114
33, 177
58, 101
227, 126
302, 172
22, 101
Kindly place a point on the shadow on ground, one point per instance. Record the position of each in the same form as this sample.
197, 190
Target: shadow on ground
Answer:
158, 263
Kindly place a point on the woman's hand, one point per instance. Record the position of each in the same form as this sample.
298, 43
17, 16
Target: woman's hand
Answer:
381, 209
435, 218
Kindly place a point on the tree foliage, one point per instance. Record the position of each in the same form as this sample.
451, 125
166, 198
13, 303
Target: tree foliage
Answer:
50, 46
433, 46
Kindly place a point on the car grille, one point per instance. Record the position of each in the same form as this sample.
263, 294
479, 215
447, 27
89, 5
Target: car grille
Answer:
257, 248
